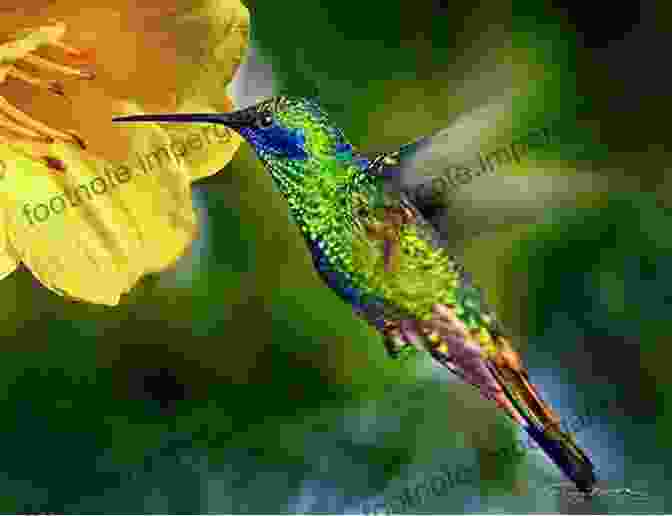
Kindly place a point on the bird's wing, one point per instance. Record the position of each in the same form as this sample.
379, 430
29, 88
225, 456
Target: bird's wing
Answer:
444, 175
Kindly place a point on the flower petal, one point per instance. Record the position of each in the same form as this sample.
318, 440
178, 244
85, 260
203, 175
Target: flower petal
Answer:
90, 233
205, 148
72, 240
9, 261
158, 196
92, 229
220, 51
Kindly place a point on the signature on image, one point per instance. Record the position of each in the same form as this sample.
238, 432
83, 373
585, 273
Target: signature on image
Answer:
571, 494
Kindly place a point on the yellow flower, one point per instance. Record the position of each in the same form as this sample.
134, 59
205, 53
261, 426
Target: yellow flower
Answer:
90, 210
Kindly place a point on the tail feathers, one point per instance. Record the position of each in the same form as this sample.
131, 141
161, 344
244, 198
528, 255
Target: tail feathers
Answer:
542, 413
508, 366
499, 376
543, 425
563, 454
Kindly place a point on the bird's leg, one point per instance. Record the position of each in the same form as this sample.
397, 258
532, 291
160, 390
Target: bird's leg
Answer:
410, 331
401, 339
392, 338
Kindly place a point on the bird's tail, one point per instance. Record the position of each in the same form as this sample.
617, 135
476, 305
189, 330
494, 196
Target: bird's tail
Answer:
540, 421
497, 371
527, 408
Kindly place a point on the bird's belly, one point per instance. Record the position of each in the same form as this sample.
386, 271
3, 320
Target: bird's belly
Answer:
422, 277
365, 303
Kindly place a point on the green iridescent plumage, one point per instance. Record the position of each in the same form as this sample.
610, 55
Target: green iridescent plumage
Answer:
334, 197
374, 248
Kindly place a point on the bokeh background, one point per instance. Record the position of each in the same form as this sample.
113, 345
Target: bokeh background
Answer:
237, 383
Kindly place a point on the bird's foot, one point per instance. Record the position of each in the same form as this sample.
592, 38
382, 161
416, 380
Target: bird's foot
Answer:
397, 348
402, 339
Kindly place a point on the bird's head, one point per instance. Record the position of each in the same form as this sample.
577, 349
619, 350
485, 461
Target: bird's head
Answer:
292, 136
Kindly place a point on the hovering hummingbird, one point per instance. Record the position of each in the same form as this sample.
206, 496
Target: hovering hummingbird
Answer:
372, 245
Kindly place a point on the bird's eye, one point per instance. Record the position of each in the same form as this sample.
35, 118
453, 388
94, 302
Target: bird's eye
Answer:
266, 120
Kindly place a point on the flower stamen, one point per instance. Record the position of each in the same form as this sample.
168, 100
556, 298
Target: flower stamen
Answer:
50, 66
18, 51
35, 125
52, 86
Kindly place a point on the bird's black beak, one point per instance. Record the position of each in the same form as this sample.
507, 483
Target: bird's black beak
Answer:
235, 120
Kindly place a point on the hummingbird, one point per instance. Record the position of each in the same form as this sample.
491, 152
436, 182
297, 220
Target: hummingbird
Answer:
371, 244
